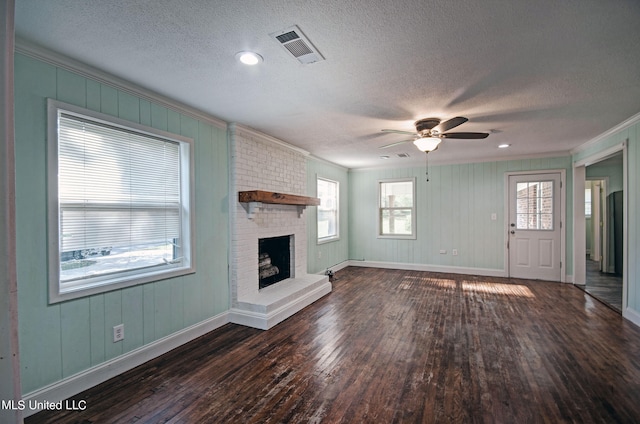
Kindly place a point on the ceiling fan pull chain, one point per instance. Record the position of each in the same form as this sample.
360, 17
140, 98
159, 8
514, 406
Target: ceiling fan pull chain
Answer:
427, 162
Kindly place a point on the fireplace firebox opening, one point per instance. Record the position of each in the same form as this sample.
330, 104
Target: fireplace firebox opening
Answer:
274, 260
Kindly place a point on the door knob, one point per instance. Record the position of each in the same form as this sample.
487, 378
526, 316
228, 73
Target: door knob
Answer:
513, 231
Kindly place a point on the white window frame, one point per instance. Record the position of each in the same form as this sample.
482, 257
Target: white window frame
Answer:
335, 237
413, 234
118, 280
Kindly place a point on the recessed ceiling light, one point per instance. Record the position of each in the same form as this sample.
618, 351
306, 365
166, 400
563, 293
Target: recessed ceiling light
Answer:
503, 146
249, 58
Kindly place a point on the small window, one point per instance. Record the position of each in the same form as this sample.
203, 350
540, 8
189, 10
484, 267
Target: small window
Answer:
587, 202
396, 214
328, 212
119, 199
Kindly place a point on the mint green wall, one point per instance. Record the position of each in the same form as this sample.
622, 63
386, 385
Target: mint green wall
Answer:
57, 341
453, 212
614, 174
632, 136
325, 255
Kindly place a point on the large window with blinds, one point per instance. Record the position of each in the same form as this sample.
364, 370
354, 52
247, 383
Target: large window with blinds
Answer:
120, 203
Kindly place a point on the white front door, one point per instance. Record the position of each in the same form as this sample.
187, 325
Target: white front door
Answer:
535, 226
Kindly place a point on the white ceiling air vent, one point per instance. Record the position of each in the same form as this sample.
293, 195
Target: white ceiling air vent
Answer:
299, 46
403, 155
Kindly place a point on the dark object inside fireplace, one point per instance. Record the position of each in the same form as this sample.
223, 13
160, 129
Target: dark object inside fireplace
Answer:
274, 260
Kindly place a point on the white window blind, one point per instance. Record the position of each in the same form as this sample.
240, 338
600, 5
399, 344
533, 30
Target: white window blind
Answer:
121, 211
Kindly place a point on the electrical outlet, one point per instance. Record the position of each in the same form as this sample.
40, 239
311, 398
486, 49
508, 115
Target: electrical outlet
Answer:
454, 252
118, 333
443, 252
494, 216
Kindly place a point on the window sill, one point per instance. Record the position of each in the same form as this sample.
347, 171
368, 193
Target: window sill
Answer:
107, 285
397, 237
327, 240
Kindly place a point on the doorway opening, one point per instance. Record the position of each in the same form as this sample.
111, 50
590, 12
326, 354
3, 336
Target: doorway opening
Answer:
604, 227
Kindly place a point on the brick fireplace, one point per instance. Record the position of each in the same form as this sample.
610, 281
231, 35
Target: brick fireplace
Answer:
260, 162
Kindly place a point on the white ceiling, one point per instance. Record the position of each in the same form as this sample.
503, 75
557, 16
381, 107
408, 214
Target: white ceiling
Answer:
544, 76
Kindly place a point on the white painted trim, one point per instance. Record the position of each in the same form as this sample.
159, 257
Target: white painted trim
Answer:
335, 238
414, 209
611, 131
579, 244
631, 315
563, 214
597, 157
40, 53
579, 221
242, 131
625, 226
338, 267
93, 376
486, 272
187, 194
266, 320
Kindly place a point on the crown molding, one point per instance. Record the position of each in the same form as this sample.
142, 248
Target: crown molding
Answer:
38, 52
244, 131
432, 162
620, 127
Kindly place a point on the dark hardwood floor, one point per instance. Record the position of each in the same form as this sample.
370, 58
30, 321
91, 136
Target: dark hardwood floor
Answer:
395, 346
607, 288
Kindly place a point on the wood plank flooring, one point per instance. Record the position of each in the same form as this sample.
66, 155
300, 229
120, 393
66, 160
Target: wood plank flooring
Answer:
606, 288
395, 346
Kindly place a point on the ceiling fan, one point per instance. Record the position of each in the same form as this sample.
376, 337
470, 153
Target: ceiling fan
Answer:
430, 132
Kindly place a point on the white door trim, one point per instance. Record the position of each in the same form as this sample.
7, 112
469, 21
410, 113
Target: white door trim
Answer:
563, 215
579, 243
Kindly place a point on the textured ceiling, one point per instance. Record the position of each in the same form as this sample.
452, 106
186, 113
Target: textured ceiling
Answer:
544, 76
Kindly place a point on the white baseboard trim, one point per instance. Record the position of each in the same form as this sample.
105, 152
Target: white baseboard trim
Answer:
71, 386
632, 315
487, 272
338, 267
266, 320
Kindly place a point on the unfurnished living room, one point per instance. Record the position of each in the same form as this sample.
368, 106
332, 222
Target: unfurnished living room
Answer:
320, 212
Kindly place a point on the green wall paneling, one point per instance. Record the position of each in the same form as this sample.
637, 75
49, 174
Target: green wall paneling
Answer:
332, 252
78, 334
454, 211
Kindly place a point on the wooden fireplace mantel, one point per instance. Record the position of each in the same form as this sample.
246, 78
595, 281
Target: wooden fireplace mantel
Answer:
255, 199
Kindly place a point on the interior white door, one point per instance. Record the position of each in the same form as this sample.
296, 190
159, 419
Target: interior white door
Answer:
535, 226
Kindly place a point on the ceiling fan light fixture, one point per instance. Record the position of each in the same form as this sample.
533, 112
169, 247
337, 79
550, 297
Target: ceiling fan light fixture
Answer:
427, 144
249, 58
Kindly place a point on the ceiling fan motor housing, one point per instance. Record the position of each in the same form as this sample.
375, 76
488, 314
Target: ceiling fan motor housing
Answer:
424, 126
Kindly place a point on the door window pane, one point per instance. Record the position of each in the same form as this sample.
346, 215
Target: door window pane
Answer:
534, 205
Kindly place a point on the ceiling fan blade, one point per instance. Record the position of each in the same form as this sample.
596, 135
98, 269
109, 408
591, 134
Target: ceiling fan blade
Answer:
399, 132
451, 123
465, 135
395, 144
